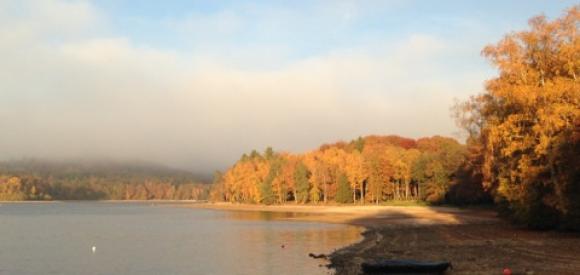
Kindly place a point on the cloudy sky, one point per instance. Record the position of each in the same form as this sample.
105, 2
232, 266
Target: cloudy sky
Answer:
194, 84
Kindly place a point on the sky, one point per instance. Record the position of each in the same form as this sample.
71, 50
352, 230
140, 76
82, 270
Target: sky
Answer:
194, 84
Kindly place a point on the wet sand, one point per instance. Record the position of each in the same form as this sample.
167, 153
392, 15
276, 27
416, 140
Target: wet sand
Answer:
474, 241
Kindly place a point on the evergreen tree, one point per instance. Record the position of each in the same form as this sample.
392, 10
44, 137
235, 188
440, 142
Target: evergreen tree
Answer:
302, 185
344, 192
269, 153
266, 194
244, 157
255, 155
315, 193
359, 144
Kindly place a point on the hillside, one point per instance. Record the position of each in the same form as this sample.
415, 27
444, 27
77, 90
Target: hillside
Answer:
94, 180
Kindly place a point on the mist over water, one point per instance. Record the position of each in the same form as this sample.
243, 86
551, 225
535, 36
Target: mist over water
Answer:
142, 238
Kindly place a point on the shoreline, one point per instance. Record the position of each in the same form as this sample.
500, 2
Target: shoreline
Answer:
475, 241
368, 216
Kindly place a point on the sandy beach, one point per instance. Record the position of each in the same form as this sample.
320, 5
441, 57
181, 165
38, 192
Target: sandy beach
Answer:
475, 241
369, 215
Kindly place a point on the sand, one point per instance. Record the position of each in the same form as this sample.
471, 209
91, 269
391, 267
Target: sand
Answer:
368, 215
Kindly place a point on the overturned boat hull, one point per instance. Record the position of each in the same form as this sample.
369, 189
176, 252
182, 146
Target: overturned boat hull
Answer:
404, 267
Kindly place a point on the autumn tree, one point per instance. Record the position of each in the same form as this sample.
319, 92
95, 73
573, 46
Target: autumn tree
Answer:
378, 160
320, 175
335, 159
287, 177
410, 156
356, 172
527, 122
10, 189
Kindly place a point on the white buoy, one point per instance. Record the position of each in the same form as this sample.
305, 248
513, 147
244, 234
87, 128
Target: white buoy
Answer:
94, 248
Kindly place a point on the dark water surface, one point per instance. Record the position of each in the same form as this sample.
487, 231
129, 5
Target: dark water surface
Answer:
146, 238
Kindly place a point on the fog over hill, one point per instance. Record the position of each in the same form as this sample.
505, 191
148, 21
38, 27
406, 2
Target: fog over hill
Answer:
98, 168
193, 85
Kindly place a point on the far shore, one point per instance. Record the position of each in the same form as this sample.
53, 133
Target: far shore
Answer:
121, 201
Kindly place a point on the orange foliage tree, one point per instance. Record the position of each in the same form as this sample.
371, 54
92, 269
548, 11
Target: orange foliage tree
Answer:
527, 122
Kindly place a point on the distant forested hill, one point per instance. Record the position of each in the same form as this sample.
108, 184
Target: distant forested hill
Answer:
94, 180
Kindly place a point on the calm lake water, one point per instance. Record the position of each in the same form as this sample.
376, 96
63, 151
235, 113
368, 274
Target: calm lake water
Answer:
146, 238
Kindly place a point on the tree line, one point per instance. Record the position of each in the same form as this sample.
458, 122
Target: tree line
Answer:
370, 169
41, 180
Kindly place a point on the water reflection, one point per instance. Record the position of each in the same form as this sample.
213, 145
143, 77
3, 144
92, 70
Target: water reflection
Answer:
262, 215
145, 239
285, 245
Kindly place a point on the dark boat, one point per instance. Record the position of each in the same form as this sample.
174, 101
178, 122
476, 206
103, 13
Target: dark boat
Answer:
404, 267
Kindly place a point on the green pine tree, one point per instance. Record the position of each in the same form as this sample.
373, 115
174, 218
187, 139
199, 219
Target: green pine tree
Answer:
269, 153
266, 193
344, 192
359, 144
302, 185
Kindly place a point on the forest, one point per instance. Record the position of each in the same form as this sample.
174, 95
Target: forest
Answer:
370, 169
522, 148
93, 180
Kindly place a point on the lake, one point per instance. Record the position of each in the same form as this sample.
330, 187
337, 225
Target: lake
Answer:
154, 238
